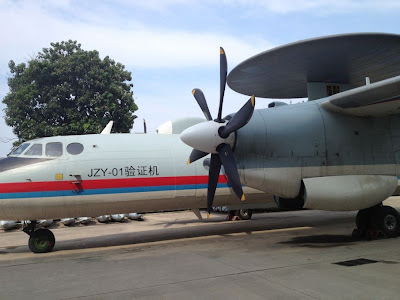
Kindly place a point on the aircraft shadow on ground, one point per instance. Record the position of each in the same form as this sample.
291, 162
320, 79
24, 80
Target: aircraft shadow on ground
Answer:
185, 222
321, 241
221, 228
169, 234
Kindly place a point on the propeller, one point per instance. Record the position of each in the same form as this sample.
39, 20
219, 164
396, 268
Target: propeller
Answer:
218, 138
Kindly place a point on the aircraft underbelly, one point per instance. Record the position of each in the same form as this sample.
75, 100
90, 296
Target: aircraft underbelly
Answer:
282, 180
99, 204
356, 191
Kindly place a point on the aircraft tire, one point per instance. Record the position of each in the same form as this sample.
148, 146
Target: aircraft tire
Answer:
41, 241
387, 219
244, 214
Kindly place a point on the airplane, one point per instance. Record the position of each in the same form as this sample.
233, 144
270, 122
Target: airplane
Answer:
7, 225
67, 177
338, 151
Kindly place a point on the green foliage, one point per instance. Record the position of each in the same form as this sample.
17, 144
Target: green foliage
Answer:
65, 90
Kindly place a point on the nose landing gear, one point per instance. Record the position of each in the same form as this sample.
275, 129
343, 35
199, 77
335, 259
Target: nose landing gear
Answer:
40, 240
377, 221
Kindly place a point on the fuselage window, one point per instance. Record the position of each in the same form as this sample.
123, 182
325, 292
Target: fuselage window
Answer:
54, 149
75, 148
36, 149
20, 149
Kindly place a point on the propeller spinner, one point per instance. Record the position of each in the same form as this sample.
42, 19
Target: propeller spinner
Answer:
217, 137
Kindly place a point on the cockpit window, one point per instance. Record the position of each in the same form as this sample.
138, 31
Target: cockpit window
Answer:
54, 149
36, 149
75, 148
20, 149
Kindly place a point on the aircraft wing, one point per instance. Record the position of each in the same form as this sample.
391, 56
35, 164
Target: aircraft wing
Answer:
377, 99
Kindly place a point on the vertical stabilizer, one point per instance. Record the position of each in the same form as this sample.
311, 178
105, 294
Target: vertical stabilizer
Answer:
107, 129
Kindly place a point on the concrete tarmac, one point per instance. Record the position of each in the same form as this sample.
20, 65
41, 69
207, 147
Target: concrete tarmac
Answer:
302, 255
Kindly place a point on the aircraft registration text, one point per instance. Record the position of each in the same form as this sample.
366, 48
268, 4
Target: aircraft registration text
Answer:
129, 171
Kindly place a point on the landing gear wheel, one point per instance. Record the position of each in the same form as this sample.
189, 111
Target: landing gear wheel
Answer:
41, 241
387, 219
244, 214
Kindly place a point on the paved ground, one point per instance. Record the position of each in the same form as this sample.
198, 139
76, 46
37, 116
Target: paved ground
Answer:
174, 256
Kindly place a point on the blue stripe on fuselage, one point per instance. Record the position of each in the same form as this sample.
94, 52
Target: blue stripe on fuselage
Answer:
46, 194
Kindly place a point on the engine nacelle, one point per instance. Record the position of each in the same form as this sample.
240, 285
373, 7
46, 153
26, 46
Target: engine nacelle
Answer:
346, 193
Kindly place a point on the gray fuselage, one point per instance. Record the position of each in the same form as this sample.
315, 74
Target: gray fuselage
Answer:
281, 146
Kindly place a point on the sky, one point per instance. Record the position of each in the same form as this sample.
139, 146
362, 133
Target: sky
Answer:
172, 46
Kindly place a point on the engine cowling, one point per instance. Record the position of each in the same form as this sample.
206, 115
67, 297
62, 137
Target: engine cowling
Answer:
349, 192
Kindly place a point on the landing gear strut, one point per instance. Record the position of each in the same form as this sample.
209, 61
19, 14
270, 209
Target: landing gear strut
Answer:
40, 240
378, 220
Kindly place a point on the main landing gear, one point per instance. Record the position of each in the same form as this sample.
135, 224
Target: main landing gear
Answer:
239, 214
379, 220
40, 240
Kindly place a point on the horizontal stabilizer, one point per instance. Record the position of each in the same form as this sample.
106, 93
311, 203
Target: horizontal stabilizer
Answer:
372, 100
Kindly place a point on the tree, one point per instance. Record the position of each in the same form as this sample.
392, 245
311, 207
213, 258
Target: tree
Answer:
66, 90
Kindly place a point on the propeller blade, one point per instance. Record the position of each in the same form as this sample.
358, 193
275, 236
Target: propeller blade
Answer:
195, 155
223, 65
213, 175
240, 119
201, 100
231, 171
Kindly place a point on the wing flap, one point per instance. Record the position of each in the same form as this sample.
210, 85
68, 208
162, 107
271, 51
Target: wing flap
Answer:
377, 99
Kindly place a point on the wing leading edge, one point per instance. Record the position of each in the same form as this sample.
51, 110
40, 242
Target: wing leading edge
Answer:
377, 99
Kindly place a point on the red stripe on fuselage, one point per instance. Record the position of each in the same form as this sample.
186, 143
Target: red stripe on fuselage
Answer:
16, 187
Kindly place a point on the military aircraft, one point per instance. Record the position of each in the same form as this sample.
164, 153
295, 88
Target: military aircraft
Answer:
338, 151
66, 177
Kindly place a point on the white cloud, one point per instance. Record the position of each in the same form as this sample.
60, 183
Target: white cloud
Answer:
274, 6
156, 5
315, 6
115, 28
155, 48
158, 108
137, 45
142, 45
